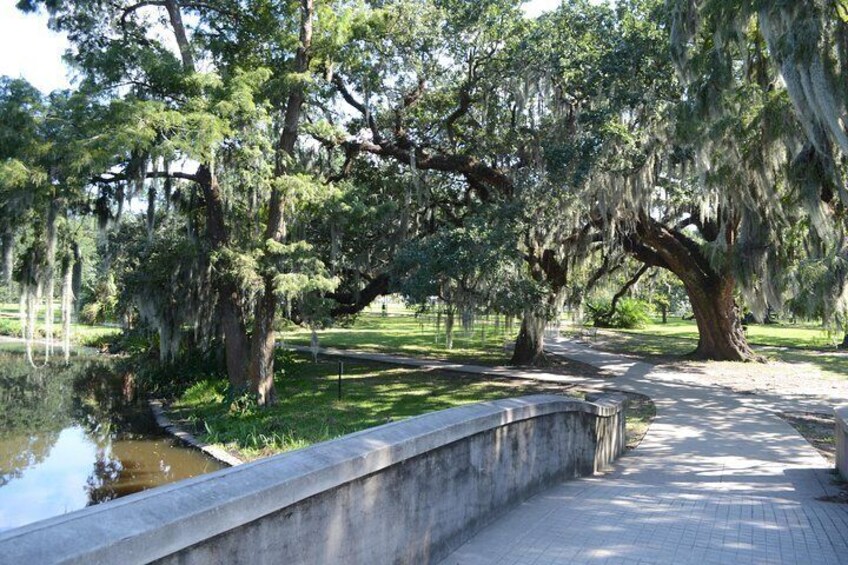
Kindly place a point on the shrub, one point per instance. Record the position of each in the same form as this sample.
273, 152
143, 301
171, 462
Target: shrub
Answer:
172, 379
9, 326
629, 313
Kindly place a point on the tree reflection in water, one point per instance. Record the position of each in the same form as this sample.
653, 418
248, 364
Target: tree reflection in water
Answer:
69, 438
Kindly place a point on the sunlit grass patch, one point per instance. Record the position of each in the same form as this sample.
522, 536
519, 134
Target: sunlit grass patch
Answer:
668, 345
309, 410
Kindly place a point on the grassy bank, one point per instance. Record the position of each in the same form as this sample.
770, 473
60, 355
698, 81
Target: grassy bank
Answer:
310, 411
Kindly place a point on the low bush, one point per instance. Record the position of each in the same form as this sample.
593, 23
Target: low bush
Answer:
630, 313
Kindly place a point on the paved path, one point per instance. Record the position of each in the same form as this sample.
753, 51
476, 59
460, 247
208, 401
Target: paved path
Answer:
718, 479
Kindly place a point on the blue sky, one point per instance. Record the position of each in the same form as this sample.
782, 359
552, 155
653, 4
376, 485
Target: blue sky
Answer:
29, 50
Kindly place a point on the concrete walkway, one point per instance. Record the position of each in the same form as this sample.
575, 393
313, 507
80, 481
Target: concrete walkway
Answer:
718, 479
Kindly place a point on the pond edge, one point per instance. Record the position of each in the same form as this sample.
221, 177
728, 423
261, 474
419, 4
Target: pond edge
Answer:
162, 420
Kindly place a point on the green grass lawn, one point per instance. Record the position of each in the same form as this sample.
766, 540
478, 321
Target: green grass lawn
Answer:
790, 344
309, 410
777, 335
404, 334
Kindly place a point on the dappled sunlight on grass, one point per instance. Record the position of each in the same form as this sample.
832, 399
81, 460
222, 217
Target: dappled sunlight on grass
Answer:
776, 335
309, 410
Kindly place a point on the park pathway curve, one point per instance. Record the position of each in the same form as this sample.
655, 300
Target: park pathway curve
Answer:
718, 479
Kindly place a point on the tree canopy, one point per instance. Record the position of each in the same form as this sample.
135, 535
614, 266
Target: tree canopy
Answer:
251, 161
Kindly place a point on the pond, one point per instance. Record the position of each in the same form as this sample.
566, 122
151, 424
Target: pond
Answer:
73, 436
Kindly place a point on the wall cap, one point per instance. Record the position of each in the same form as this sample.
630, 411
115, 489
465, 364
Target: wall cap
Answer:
153, 524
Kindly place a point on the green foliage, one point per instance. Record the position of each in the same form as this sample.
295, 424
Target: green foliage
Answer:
172, 378
630, 313
103, 305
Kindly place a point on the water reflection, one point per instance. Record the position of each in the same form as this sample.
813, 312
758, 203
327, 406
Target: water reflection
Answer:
69, 440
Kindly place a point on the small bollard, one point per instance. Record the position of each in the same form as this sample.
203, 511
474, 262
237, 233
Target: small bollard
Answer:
341, 369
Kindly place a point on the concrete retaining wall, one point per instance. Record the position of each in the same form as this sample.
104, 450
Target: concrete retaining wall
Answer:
405, 492
841, 433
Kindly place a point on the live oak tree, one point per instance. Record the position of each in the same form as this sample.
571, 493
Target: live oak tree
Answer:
753, 175
298, 151
433, 86
558, 110
804, 44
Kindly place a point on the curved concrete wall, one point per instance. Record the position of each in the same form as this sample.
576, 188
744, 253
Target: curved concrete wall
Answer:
841, 435
405, 492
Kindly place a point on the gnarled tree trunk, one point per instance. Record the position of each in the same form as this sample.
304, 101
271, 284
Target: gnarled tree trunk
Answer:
721, 337
547, 267
710, 289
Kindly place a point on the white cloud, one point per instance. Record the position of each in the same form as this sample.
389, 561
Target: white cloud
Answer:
28, 49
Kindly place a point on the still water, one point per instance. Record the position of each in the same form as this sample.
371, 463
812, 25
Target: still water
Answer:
70, 438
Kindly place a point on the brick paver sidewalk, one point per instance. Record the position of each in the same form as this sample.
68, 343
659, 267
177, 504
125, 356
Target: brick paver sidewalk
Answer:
718, 479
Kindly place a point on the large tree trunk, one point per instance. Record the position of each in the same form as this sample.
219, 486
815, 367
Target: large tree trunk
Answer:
262, 348
710, 290
530, 345
721, 337
549, 267
236, 345
230, 308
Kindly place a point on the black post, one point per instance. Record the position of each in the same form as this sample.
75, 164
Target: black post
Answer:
341, 368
